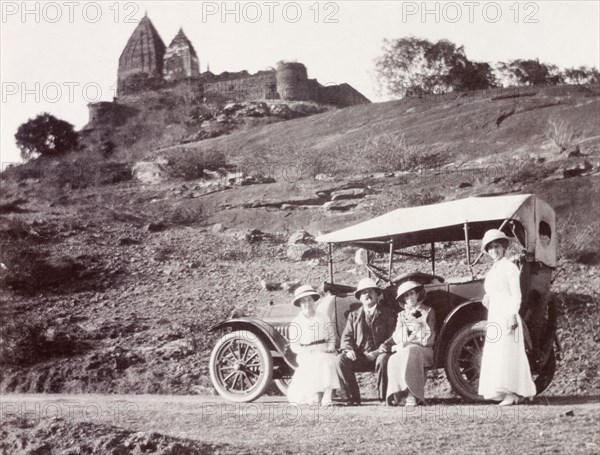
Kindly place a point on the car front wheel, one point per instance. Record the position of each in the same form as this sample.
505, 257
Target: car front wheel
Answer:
241, 366
463, 360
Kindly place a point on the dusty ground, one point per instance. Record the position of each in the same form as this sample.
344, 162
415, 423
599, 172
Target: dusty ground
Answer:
99, 424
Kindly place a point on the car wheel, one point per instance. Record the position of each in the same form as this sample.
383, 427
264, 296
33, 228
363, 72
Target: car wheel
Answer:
283, 385
241, 366
543, 379
463, 360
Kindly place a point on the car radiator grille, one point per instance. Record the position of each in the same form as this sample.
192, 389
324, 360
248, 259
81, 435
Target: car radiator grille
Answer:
284, 330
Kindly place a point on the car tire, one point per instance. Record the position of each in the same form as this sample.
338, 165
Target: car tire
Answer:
241, 366
283, 385
543, 379
463, 360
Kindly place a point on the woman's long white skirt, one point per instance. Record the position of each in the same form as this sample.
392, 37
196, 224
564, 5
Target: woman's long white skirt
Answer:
504, 364
315, 373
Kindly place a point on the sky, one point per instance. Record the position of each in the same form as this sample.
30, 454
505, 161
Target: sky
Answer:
58, 56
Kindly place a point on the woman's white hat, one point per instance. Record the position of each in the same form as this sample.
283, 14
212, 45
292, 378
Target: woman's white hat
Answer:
490, 236
305, 291
407, 286
366, 283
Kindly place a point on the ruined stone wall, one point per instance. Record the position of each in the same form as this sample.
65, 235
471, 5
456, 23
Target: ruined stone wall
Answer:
108, 114
293, 83
258, 87
342, 95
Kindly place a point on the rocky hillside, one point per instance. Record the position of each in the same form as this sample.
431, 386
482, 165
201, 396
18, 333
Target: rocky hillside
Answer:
110, 285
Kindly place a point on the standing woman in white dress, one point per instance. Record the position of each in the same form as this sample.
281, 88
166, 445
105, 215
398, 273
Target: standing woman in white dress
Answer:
505, 373
312, 338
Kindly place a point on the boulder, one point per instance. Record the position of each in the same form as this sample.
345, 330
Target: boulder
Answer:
150, 172
302, 252
156, 227
355, 193
577, 170
281, 110
301, 237
340, 206
324, 178
290, 286
218, 227
231, 108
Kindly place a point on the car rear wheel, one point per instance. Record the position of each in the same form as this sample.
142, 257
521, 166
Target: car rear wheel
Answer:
463, 360
241, 366
543, 379
283, 385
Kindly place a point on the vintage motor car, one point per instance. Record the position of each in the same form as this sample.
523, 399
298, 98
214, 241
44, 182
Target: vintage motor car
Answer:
254, 350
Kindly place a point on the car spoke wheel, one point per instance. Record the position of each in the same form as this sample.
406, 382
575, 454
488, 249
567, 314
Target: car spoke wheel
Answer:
544, 377
283, 385
241, 366
463, 360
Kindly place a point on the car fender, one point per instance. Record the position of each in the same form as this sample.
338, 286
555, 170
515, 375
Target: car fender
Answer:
264, 330
470, 311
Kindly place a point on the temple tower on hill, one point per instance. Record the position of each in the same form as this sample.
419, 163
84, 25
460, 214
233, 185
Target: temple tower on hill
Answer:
181, 60
143, 55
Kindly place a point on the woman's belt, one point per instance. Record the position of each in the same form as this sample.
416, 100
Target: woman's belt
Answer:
314, 343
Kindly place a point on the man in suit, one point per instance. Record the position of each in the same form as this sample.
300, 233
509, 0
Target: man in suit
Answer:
363, 342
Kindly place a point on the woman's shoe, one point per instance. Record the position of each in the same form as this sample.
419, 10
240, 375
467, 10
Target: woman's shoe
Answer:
411, 400
509, 400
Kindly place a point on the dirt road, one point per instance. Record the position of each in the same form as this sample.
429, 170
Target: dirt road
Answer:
210, 424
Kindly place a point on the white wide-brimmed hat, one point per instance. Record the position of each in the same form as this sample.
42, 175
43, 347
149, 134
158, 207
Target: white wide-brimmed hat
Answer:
490, 236
305, 291
408, 286
366, 283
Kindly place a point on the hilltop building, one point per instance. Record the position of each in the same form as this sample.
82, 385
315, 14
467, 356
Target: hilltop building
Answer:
147, 66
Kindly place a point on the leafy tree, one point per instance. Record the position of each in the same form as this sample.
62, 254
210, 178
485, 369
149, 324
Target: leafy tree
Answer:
412, 65
581, 75
45, 135
529, 72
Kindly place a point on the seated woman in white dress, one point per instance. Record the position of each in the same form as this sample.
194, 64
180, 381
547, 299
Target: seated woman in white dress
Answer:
312, 338
413, 338
505, 375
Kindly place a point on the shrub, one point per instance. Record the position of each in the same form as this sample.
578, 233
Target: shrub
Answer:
388, 152
46, 135
576, 242
189, 164
25, 341
527, 172
562, 134
422, 197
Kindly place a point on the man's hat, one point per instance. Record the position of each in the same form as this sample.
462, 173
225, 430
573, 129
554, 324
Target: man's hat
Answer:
366, 283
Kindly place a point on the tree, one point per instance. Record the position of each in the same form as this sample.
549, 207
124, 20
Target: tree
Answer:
45, 135
581, 75
529, 72
412, 66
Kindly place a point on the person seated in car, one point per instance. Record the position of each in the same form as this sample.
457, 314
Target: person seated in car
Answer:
363, 342
412, 346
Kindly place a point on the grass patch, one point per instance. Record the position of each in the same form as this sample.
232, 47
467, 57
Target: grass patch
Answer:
190, 164
578, 243
562, 133
24, 341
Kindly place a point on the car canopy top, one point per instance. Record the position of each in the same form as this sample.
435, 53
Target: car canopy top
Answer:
444, 222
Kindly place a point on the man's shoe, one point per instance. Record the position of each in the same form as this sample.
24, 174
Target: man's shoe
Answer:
352, 403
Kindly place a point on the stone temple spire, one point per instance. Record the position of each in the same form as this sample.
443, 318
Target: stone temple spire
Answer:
181, 60
143, 53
